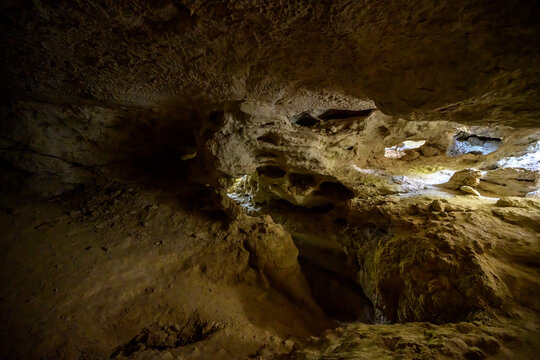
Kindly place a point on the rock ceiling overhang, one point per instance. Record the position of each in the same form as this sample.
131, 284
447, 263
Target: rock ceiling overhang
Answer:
468, 61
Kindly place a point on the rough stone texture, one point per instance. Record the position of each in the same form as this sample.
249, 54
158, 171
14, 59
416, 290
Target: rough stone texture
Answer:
139, 268
362, 341
437, 205
74, 145
415, 264
510, 181
471, 61
273, 253
468, 177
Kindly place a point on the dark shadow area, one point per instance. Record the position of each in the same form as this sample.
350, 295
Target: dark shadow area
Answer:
302, 180
344, 114
157, 158
339, 297
283, 205
334, 190
304, 119
270, 138
274, 172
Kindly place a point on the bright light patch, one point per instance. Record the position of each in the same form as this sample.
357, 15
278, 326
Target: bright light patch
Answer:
528, 161
240, 193
436, 178
466, 147
466, 142
415, 182
397, 151
366, 171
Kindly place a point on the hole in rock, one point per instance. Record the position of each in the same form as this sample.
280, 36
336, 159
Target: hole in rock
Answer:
398, 151
271, 138
216, 117
302, 180
335, 190
326, 269
467, 143
266, 158
304, 119
339, 297
344, 114
384, 131
265, 155
270, 171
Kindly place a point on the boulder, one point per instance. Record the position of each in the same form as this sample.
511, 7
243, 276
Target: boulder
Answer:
467, 177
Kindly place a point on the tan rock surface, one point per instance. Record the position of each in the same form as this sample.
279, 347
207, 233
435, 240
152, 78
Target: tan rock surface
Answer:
467, 177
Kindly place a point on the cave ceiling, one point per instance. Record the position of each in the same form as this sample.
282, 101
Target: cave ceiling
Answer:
466, 61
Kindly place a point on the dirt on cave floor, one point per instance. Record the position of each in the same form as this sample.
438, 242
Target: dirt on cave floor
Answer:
128, 273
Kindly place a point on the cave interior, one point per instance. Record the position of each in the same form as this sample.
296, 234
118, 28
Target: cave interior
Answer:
190, 179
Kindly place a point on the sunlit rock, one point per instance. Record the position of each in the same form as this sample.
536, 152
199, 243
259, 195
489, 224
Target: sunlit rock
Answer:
467, 177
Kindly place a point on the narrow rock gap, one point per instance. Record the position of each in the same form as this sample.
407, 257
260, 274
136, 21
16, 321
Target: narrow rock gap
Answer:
339, 297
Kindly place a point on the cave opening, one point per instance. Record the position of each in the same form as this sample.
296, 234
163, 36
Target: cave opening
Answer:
529, 159
304, 119
319, 117
400, 150
470, 143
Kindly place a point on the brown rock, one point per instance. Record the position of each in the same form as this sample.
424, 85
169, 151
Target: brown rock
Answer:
468, 177
505, 202
437, 205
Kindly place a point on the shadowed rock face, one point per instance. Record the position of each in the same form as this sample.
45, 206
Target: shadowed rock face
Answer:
467, 61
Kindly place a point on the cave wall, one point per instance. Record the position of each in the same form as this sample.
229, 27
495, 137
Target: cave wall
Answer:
90, 85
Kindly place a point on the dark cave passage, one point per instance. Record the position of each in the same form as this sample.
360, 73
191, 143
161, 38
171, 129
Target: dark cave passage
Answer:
339, 297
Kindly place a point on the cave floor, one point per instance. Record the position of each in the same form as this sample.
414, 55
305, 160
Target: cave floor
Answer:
84, 274
133, 274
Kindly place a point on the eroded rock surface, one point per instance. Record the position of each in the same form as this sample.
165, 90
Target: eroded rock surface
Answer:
271, 180
474, 61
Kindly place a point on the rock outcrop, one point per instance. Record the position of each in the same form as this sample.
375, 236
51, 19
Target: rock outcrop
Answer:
467, 177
